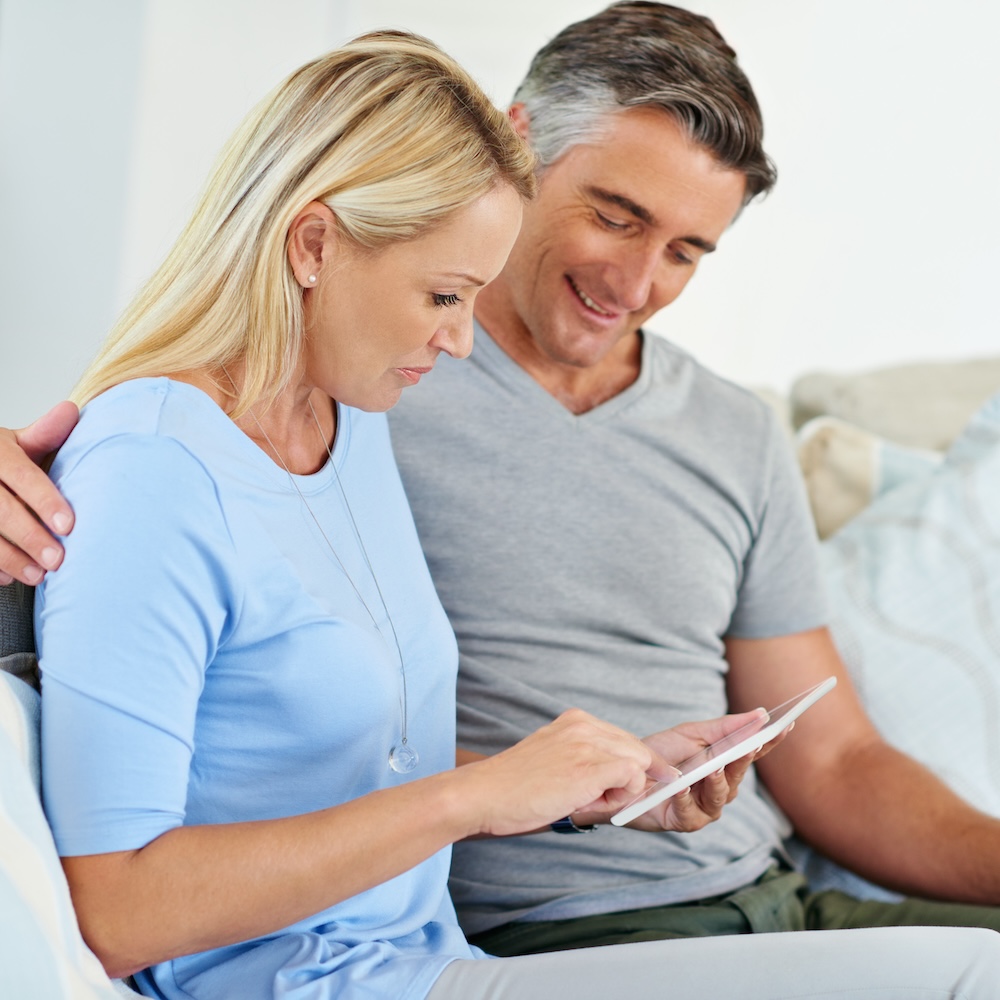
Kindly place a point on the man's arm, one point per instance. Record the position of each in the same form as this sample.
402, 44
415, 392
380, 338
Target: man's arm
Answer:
852, 796
27, 549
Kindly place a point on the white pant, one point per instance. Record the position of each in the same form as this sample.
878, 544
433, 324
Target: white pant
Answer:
884, 963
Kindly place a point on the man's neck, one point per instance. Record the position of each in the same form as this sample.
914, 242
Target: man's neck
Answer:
579, 389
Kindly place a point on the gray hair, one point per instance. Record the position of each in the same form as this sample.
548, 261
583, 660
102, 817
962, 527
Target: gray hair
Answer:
642, 54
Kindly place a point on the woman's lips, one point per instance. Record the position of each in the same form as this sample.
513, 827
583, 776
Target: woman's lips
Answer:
412, 375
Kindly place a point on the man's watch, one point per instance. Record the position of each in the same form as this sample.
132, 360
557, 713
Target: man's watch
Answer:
566, 825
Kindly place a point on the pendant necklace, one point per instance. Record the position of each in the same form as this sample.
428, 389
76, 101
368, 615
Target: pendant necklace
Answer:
402, 757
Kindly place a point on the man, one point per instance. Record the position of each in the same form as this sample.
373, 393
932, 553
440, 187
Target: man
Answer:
612, 526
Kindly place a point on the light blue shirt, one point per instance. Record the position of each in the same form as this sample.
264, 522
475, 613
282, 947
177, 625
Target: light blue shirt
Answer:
207, 659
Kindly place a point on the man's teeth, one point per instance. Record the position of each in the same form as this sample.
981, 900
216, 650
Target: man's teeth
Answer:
588, 301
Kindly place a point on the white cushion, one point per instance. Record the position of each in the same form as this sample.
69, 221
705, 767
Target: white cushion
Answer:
914, 583
41, 951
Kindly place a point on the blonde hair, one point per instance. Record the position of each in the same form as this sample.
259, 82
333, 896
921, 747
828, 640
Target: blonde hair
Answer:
388, 131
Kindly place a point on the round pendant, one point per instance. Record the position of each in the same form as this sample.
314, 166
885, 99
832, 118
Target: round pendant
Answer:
403, 759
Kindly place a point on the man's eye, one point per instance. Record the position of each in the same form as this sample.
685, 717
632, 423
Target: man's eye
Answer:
441, 299
610, 223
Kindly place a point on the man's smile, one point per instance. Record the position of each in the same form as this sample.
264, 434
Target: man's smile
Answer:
587, 300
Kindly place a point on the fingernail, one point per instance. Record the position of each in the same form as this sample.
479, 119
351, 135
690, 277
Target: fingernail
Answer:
33, 574
5, 578
50, 557
61, 522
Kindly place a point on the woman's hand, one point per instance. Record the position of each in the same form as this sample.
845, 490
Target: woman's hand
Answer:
582, 766
27, 549
577, 763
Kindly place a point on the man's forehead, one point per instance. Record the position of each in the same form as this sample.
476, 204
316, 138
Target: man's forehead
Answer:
631, 141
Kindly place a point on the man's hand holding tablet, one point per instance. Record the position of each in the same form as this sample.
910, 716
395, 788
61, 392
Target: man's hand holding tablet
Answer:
744, 742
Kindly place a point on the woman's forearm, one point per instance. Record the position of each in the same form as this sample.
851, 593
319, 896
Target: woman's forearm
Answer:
200, 887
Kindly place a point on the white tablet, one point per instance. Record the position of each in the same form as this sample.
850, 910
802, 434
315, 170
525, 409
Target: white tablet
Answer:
737, 744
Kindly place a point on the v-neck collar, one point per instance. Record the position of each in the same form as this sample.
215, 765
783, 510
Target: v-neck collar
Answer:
525, 385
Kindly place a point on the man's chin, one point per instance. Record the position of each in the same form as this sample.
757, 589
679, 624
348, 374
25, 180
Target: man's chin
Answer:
582, 349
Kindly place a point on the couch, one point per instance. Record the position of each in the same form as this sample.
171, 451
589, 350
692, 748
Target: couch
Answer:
42, 956
902, 471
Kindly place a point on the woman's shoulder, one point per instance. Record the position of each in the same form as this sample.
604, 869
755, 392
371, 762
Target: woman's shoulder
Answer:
147, 406
142, 420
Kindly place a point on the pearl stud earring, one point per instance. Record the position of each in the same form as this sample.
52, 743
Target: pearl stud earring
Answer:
312, 279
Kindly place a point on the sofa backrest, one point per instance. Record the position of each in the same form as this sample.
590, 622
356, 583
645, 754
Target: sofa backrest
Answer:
41, 951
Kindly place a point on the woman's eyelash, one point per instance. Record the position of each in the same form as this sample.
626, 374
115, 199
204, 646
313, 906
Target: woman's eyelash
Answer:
441, 299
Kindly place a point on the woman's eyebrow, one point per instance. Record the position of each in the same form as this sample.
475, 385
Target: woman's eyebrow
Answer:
470, 279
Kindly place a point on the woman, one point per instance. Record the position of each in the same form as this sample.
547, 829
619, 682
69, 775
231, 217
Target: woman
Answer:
248, 680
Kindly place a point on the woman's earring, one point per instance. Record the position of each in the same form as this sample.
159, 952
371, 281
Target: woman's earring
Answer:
312, 279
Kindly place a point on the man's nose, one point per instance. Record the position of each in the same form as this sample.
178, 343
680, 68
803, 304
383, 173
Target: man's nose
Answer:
638, 273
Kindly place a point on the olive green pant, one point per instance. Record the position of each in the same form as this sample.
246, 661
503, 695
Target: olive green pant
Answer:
780, 900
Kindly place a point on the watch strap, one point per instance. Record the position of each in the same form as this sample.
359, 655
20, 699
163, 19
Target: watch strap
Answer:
566, 825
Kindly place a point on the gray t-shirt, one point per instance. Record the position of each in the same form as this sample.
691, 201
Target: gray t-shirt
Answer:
598, 561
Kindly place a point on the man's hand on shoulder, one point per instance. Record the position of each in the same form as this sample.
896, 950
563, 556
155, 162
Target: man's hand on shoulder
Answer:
29, 503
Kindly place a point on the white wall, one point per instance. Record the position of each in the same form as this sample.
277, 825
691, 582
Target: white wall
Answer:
880, 242
877, 246
66, 114
111, 112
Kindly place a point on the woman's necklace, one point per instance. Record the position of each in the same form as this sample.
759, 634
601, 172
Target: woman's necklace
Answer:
402, 757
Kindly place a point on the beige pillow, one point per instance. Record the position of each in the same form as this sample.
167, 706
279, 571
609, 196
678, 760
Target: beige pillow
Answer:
918, 405
846, 467
779, 403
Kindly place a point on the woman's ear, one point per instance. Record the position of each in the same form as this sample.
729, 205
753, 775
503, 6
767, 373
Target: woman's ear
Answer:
312, 239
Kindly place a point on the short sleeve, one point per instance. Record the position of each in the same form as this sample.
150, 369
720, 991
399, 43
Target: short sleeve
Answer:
781, 590
126, 629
